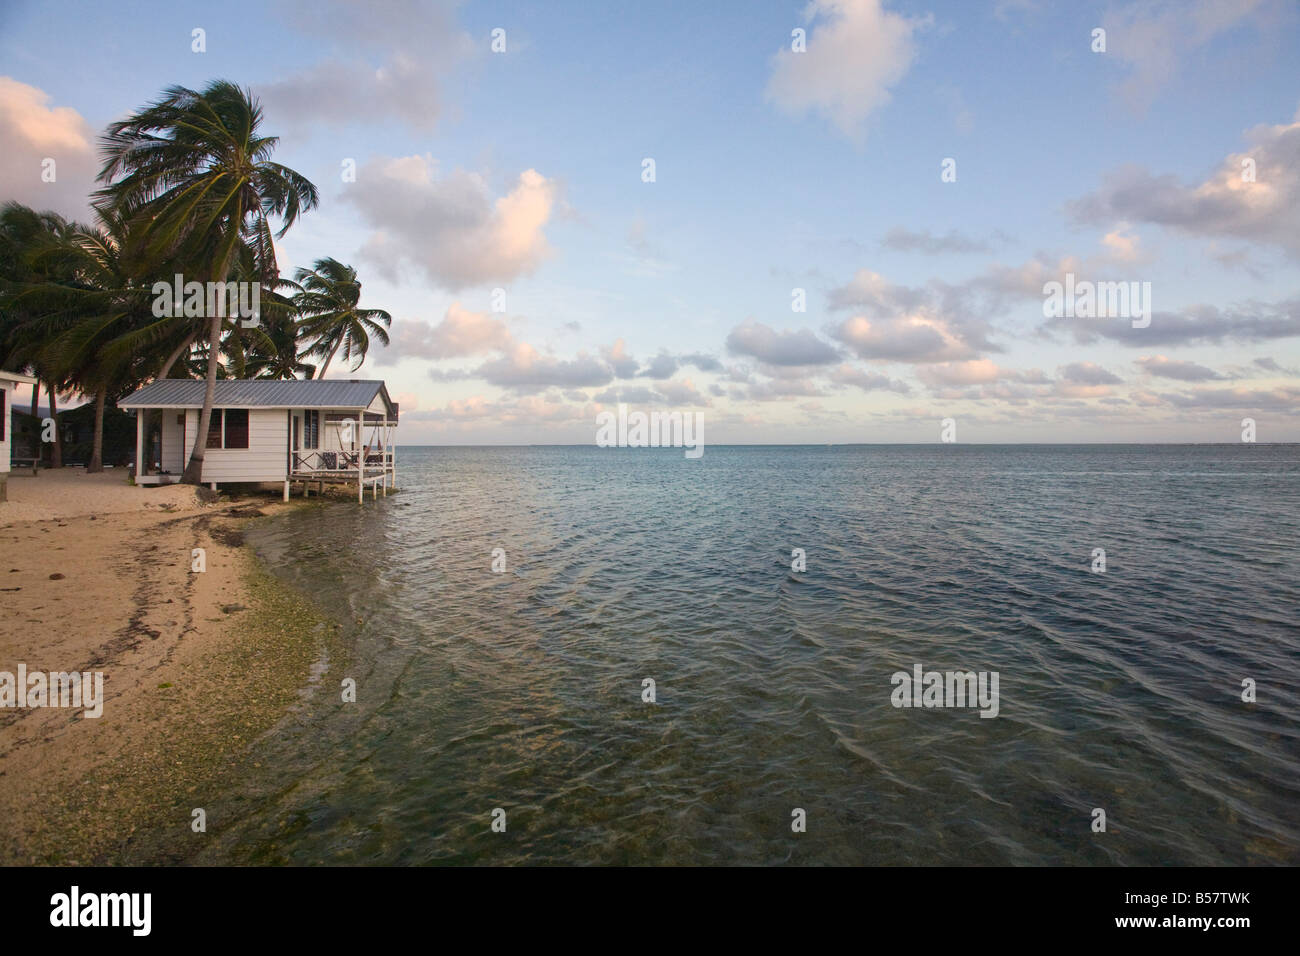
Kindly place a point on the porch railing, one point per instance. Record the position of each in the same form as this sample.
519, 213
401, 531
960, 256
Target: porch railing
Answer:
339, 460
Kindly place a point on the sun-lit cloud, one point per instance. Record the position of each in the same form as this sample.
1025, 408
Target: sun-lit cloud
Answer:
1122, 245
460, 333
450, 228
34, 135
972, 372
938, 322
1252, 196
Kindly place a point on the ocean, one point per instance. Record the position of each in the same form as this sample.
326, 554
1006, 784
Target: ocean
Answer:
519, 696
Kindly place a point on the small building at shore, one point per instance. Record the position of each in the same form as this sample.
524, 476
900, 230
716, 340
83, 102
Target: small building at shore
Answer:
32, 440
328, 431
9, 382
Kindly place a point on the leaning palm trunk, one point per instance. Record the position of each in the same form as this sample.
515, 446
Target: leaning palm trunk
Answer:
193, 474
97, 448
330, 358
175, 356
36, 393
56, 453
166, 370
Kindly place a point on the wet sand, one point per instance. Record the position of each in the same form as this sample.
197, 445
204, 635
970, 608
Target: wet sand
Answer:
195, 665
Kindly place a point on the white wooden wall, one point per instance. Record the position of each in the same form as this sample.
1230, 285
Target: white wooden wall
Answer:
263, 460
176, 444
9, 426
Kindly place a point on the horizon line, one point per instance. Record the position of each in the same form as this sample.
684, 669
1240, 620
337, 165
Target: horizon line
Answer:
879, 444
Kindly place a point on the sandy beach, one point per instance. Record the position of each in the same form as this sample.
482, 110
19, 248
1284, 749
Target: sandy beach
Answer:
95, 575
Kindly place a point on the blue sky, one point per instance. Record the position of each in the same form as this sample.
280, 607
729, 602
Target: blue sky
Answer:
774, 171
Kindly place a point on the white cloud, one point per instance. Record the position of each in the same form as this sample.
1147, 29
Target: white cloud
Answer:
902, 239
867, 381
1089, 373
681, 392
856, 52
1182, 371
623, 364
525, 369
1153, 38
380, 61
793, 348
1285, 398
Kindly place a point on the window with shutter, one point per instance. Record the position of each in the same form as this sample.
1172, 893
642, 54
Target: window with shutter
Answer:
236, 428
214, 429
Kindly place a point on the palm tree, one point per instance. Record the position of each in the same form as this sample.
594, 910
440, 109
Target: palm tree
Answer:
25, 234
194, 172
274, 354
93, 323
327, 305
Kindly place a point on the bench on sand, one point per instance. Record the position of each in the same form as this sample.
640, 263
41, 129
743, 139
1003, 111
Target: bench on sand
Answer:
25, 463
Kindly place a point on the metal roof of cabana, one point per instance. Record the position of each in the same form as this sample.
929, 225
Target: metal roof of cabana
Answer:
261, 393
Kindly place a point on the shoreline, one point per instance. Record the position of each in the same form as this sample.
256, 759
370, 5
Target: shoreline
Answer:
196, 667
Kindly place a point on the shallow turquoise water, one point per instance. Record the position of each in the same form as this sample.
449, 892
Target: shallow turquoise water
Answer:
523, 690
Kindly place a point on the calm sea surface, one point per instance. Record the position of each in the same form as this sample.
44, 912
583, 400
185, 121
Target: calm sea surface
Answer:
523, 690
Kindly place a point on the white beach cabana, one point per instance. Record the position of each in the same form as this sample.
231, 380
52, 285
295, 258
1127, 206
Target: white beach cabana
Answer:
327, 431
9, 382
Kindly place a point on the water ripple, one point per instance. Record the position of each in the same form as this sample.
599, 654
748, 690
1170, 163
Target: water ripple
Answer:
522, 690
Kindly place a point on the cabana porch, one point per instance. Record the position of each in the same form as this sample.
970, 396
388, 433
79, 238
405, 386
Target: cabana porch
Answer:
341, 447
